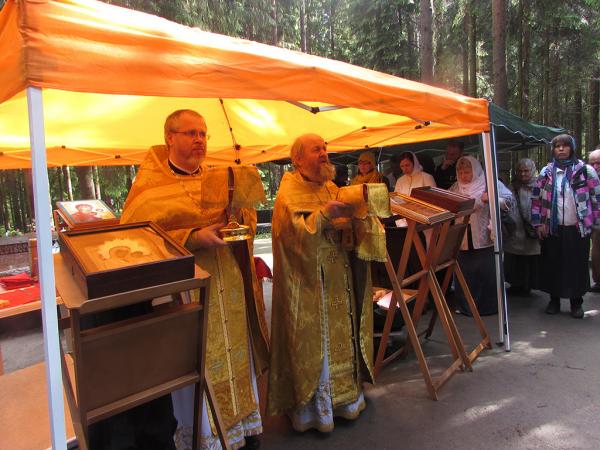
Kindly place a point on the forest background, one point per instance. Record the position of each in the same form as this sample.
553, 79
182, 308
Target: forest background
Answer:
539, 59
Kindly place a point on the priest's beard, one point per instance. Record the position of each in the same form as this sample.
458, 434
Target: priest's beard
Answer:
319, 173
327, 172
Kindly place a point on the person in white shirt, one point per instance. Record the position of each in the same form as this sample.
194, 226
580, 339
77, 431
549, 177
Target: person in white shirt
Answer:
412, 174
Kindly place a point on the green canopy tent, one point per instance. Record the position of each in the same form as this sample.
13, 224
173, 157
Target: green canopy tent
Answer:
509, 133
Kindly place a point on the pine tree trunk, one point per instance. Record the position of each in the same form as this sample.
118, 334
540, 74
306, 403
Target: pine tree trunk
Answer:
410, 31
17, 211
555, 112
28, 179
499, 53
24, 208
465, 55
426, 42
87, 189
14, 221
67, 174
546, 80
577, 117
3, 203
524, 59
472, 50
303, 26
96, 172
594, 139
130, 177
275, 37
61, 187
331, 28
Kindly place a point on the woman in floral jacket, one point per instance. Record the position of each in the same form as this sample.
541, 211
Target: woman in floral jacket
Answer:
565, 206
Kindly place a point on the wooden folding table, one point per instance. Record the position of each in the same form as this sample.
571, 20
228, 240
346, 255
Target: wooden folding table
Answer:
123, 364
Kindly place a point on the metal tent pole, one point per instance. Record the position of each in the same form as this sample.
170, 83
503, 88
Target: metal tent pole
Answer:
46, 268
491, 174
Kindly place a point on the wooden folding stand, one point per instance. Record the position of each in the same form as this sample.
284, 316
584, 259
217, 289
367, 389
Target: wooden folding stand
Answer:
447, 259
445, 240
124, 364
400, 299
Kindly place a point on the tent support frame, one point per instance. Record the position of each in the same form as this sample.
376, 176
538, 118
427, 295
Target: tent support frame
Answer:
46, 267
491, 175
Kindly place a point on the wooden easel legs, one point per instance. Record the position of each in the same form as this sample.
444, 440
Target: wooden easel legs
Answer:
399, 300
485, 338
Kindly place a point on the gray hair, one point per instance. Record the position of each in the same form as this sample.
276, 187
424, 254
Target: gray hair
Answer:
595, 152
528, 163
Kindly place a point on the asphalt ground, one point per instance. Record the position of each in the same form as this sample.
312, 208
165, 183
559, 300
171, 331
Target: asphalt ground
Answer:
543, 394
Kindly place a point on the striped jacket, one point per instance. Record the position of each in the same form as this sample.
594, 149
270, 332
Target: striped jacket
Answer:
586, 189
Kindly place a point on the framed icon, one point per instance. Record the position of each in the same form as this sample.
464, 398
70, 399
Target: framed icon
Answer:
84, 214
120, 258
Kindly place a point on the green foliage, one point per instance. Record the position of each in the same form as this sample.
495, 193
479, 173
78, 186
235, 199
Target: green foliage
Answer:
114, 186
563, 48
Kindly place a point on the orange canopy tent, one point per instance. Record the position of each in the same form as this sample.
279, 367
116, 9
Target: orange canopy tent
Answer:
256, 98
96, 82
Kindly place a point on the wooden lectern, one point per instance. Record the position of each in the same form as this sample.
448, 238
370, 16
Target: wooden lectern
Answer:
445, 240
447, 260
123, 364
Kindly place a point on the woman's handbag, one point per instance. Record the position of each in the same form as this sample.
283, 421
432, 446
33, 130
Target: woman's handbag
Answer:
509, 225
529, 229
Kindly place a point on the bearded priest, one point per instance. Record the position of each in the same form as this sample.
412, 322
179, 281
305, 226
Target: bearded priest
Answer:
321, 344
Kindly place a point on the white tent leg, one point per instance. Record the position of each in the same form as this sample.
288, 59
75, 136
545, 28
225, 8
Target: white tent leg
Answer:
46, 268
491, 175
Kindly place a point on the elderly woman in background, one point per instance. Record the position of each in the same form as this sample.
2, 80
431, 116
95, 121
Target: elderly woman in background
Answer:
412, 174
522, 248
476, 256
367, 172
564, 209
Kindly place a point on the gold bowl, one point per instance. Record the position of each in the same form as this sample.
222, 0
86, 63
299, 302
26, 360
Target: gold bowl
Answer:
233, 231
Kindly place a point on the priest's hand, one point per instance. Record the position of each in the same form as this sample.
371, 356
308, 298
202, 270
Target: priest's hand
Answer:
334, 209
207, 237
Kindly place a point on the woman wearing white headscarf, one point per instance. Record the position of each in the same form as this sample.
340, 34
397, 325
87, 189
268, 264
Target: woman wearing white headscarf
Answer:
412, 174
476, 256
522, 247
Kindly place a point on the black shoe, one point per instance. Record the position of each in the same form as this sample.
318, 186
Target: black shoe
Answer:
595, 287
252, 443
553, 307
577, 312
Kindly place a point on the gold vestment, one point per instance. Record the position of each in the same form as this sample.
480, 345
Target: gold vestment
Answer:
311, 269
234, 319
372, 177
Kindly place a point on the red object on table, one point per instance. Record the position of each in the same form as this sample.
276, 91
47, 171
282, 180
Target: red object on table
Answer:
20, 296
262, 270
20, 280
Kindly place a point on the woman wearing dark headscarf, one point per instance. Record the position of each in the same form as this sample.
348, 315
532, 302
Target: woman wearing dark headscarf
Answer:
522, 247
564, 209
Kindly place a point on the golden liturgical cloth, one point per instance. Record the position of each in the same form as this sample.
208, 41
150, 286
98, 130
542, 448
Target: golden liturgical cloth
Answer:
172, 201
309, 263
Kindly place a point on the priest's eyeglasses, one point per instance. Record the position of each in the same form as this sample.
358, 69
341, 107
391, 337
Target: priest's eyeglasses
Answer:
193, 133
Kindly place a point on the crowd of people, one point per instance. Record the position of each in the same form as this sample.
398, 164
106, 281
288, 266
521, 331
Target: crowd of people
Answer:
320, 349
550, 217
